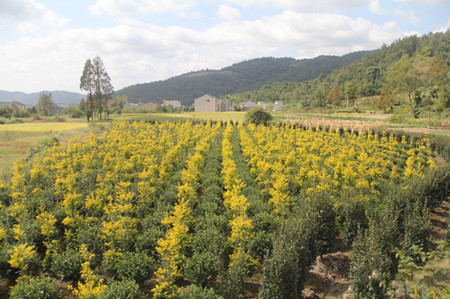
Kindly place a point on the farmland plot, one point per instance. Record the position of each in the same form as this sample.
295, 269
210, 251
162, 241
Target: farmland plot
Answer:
193, 209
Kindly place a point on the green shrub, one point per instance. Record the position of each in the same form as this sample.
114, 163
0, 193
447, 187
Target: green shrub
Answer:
441, 144
41, 146
432, 189
401, 222
146, 241
201, 268
261, 244
194, 291
373, 263
126, 289
67, 265
284, 273
135, 265
35, 288
258, 116
322, 216
352, 219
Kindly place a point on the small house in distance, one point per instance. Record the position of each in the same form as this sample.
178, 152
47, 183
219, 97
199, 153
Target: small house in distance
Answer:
173, 103
209, 103
247, 105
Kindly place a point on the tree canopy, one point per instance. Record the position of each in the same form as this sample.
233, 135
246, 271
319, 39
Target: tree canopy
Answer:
96, 81
45, 104
258, 116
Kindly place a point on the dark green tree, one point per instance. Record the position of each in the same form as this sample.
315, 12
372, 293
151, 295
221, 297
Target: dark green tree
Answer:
350, 93
102, 86
386, 98
405, 78
258, 116
96, 81
373, 83
117, 103
45, 104
335, 96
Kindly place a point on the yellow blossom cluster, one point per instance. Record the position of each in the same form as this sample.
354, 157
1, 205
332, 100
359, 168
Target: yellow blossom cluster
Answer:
286, 160
173, 246
132, 191
236, 203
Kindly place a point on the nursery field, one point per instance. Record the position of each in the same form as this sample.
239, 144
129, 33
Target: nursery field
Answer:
212, 210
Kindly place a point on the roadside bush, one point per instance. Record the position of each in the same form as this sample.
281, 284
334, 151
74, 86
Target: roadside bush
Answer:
35, 288
258, 116
125, 289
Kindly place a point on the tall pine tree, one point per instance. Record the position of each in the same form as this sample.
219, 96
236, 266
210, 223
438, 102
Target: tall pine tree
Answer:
96, 81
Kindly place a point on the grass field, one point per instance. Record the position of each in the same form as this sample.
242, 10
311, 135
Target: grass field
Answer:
17, 139
43, 127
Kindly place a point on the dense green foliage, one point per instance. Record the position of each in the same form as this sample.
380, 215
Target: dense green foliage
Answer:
45, 104
258, 116
401, 222
240, 77
97, 83
413, 71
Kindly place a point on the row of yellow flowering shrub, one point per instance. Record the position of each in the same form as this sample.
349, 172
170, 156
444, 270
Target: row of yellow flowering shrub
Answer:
87, 204
204, 202
286, 160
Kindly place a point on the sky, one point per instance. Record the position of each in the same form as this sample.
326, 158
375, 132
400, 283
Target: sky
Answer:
44, 44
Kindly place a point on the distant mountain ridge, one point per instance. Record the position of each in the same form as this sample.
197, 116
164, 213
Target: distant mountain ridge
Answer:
59, 96
240, 77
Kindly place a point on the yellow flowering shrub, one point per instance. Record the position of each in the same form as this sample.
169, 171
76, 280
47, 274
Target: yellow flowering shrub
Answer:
21, 256
91, 285
136, 188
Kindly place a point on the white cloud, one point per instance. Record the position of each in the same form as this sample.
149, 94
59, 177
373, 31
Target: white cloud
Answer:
304, 5
408, 15
444, 28
375, 7
122, 7
134, 52
228, 13
425, 2
115, 7
29, 15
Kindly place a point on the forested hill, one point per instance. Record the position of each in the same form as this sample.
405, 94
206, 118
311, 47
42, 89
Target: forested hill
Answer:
240, 77
415, 68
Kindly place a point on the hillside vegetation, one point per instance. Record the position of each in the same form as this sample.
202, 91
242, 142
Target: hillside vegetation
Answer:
412, 71
240, 77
